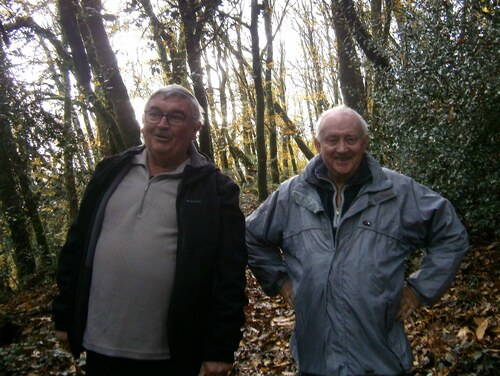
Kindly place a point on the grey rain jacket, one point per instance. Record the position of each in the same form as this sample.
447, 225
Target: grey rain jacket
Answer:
348, 286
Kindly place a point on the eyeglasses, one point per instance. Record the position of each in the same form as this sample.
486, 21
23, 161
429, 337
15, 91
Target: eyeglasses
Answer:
173, 118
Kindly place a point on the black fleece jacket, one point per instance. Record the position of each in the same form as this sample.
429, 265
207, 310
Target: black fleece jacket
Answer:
208, 299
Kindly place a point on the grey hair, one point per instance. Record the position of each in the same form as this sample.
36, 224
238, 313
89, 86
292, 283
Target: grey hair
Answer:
344, 110
178, 91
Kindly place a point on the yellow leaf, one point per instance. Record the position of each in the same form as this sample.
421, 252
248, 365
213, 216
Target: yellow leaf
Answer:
464, 334
483, 327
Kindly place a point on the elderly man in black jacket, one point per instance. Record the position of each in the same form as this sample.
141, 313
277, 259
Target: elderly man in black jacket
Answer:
152, 275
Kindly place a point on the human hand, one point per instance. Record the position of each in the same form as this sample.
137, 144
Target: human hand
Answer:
62, 337
215, 369
409, 303
286, 291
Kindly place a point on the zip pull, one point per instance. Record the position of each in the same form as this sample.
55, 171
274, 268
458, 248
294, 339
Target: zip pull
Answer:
143, 198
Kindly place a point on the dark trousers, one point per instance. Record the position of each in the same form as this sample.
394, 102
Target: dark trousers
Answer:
102, 365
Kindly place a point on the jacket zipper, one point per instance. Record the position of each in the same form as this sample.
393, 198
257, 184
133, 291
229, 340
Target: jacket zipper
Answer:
338, 208
144, 195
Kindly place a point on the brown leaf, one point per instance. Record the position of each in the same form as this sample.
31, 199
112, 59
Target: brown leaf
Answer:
284, 321
495, 329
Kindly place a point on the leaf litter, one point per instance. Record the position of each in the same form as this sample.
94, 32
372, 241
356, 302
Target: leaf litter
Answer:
457, 336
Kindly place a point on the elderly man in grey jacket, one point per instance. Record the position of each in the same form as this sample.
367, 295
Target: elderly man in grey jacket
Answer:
333, 242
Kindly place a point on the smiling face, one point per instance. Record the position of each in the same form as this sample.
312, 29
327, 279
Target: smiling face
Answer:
341, 143
168, 144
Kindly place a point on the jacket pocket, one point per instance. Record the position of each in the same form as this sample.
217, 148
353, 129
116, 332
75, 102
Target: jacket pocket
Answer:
396, 338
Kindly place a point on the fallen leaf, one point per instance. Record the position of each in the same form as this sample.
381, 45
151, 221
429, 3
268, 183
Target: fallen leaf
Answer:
483, 327
495, 329
464, 334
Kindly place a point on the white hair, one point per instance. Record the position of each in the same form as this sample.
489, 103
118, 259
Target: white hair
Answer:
340, 109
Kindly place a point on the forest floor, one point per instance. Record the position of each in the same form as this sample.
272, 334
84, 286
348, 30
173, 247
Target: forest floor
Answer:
460, 335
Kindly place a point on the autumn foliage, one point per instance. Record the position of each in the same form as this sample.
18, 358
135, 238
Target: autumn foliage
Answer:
460, 335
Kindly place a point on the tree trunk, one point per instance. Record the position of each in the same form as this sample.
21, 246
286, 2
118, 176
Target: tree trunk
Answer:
237, 164
281, 98
320, 101
285, 165
223, 104
10, 198
216, 141
295, 168
123, 111
260, 108
68, 150
172, 56
83, 58
315, 65
380, 31
12, 207
292, 129
351, 80
331, 58
68, 139
247, 100
363, 37
271, 123
193, 27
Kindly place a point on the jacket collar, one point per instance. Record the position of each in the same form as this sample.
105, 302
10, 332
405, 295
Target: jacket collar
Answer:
369, 169
370, 175
196, 159
198, 166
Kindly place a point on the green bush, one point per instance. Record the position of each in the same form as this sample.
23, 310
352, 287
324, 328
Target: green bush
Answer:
439, 109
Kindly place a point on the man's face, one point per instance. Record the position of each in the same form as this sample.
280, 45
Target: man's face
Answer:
166, 142
341, 144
